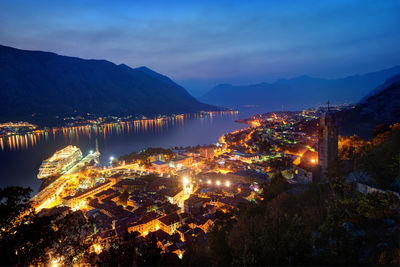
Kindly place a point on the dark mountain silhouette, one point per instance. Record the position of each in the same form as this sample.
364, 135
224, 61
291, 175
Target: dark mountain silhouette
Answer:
381, 106
48, 85
298, 93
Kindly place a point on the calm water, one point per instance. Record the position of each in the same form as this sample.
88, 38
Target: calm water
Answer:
21, 156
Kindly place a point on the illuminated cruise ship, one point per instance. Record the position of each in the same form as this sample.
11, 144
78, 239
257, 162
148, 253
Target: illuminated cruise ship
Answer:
60, 162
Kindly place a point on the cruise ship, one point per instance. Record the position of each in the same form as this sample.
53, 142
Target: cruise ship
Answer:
60, 162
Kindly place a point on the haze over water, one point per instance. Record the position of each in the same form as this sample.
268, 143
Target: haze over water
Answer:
21, 156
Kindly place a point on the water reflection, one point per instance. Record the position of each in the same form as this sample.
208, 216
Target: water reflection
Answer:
72, 134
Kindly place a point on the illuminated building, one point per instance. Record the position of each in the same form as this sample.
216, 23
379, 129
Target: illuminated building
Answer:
130, 185
245, 157
180, 161
170, 223
60, 162
146, 224
72, 201
160, 166
175, 196
207, 152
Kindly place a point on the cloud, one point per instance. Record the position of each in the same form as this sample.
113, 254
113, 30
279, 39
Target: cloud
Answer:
213, 40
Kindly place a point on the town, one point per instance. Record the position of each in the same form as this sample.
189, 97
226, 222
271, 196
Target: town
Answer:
175, 194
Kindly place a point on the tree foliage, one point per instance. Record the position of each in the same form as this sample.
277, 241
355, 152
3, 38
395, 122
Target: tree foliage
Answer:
276, 186
378, 157
23, 235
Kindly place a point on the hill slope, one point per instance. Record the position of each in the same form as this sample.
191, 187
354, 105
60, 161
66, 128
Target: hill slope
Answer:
49, 85
300, 92
382, 106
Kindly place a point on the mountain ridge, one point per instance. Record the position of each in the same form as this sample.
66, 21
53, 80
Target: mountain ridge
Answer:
380, 106
309, 91
47, 85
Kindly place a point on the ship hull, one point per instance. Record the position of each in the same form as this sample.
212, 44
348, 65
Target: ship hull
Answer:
60, 162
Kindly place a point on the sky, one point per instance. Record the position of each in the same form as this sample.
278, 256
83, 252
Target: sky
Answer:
200, 44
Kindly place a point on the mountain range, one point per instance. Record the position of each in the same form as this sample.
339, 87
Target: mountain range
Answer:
298, 93
35, 84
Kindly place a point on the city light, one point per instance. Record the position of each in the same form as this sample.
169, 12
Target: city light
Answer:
97, 248
87, 185
55, 263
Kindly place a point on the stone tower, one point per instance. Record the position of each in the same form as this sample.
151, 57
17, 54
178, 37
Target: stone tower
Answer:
327, 141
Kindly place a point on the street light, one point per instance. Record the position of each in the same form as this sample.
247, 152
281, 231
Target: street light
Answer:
218, 183
227, 183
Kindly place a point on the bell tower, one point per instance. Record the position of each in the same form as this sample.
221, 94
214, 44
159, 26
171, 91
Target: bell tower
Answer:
327, 141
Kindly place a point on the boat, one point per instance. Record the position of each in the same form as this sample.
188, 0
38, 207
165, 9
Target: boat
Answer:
60, 162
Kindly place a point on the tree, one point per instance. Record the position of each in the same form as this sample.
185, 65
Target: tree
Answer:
70, 239
219, 249
122, 252
151, 253
337, 183
264, 238
24, 237
196, 254
276, 186
381, 161
279, 164
359, 229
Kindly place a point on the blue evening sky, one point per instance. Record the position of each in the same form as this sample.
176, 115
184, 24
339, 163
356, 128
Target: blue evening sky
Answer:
202, 43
